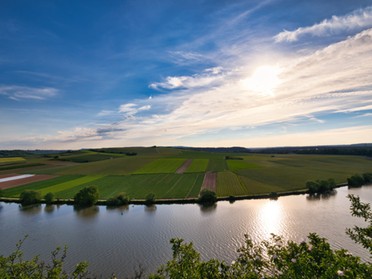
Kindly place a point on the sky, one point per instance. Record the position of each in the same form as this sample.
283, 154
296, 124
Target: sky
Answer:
258, 73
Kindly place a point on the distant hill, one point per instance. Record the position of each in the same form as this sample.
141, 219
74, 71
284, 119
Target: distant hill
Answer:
362, 149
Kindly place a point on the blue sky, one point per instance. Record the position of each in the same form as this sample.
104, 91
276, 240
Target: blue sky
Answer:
80, 74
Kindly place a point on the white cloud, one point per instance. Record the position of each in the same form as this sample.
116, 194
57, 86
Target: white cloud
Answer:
356, 20
103, 113
206, 78
132, 109
18, 93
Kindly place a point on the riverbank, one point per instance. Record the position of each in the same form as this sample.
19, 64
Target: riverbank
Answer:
273, 195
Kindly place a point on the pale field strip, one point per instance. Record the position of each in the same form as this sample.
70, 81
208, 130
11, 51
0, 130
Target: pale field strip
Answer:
16, 177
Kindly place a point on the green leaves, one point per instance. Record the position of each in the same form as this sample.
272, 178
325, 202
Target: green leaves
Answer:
273, 258
361, 235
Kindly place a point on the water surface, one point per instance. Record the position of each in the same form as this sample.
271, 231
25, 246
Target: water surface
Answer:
117, 240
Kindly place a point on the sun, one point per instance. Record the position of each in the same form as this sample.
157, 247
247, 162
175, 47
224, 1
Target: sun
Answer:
264, 80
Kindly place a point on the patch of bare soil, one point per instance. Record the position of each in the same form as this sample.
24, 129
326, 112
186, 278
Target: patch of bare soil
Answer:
23, 181
184, 166
210, 181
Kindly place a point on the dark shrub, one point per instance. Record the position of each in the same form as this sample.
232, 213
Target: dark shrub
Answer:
118, 200
207, 197
367, 177
150, 199
49, 198
30, 197
87, 196
355, 181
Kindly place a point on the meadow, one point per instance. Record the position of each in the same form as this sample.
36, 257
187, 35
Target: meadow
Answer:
141, 171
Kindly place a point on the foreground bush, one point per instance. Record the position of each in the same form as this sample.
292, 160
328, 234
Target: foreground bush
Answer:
14, 266
268, 259
30, 197
87, 196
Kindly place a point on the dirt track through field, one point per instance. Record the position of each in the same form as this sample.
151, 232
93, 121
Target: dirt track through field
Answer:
184, 166
210, 181
23, 181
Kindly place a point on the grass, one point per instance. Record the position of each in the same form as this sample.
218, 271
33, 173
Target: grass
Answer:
19, 166
235, 165
197, 165
37, 186
161, 166
138, 186
229, 184
116, 166
11, 160
68, 186
217, 164
291, 172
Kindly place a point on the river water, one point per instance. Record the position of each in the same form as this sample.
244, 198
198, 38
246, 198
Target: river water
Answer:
118, 240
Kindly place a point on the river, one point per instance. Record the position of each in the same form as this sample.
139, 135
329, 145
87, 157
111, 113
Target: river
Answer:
118, 240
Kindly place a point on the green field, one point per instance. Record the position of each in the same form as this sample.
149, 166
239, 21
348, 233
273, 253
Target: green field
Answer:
236, 165
197, 165
10, 160
169, 165
229, 184
153, 170
38, 186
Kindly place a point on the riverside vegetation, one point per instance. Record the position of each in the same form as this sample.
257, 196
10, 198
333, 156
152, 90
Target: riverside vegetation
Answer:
272, 258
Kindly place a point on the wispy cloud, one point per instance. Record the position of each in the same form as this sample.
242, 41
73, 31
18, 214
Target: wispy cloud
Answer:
209, 77
356, 20
130, 110
18, 93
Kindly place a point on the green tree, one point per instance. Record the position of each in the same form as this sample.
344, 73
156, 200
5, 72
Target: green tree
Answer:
150, 199
355, 181
359, 234
367, 177
49, 198
118, 200
14, 266
321, 186
207, 197
87, 196
269, 259
29, 197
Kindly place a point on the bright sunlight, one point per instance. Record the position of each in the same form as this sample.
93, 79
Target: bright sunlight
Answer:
264, 80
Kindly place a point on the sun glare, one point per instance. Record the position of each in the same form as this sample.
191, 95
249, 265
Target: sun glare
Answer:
271, 217
264, 80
